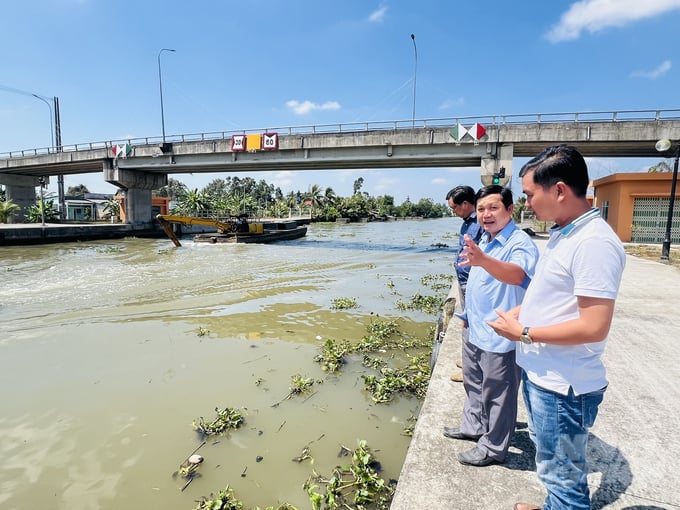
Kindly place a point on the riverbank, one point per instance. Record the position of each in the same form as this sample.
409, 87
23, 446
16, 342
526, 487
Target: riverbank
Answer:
37, 233
633, 445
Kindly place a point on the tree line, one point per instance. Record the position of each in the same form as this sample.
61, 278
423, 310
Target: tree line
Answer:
234, 195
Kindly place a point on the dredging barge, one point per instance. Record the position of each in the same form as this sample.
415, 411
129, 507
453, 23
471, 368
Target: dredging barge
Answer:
236, 229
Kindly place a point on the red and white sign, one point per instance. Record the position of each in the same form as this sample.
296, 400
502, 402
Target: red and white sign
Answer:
477, 131
238, 143
270, 141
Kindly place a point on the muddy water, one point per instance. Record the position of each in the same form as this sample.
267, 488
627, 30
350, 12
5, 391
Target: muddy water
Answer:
103, 365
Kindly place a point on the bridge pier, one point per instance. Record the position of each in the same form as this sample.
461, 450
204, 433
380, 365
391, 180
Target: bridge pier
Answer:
493, 163
137, 186
20, 189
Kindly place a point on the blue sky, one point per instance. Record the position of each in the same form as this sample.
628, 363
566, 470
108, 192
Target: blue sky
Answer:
256, 64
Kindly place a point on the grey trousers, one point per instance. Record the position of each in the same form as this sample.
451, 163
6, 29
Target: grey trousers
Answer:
491, 381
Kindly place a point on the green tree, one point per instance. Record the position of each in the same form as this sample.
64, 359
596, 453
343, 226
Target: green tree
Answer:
7, 210
34, 214
173, 189
520, 209
112, 206
356, 187
81, 189
193, 203
661, 166
315, 197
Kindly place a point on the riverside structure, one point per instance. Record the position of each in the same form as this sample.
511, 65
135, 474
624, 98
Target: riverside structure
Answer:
490, 142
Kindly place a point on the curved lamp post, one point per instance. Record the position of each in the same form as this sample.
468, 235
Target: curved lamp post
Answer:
664, 146
160, 86
415, 76
51, 116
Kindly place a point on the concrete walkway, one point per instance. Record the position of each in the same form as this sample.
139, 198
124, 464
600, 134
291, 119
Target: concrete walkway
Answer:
634, 447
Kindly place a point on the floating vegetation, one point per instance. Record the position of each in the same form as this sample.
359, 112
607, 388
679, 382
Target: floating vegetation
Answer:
437, 282
354, 487
300, 385
429, 304
188, 470
223, 500
304, 455
332, 355
228, 418
203, 331
410, 426
412, 379
226, 500
384, 335
344, 303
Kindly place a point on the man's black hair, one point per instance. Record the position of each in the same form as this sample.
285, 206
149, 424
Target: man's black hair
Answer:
559, 163
495, 189
461, 194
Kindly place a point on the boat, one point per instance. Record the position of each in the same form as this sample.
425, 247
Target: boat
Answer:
235, 229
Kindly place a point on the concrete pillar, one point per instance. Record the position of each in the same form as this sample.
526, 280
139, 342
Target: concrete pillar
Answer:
493, 162
20, 189
138, 186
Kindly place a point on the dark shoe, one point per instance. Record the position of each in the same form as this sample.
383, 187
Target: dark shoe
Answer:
475, 457
526, 506
455, 433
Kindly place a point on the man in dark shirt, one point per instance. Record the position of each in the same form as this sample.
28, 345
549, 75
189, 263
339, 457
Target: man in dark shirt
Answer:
461, 200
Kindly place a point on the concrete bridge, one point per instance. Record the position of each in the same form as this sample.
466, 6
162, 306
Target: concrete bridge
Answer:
490, 142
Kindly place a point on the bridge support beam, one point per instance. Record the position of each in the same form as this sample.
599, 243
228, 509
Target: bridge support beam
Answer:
20, 189
137, 186
494, 162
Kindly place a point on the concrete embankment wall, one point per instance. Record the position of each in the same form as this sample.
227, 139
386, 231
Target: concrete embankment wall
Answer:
634, 446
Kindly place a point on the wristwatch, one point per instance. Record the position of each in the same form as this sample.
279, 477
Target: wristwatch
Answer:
524, 337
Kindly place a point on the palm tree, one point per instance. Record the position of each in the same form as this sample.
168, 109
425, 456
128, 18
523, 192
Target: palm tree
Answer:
315, 197
329, 196
7, 210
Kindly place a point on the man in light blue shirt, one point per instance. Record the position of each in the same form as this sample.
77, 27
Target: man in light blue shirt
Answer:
501, 268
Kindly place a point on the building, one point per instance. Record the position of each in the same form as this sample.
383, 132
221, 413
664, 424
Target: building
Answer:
636, 206
159, 205
87, 207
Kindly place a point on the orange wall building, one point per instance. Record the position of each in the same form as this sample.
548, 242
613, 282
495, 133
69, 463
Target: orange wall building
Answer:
636, 205
159, 205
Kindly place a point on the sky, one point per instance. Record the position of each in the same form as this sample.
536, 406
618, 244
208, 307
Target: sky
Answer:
268, 63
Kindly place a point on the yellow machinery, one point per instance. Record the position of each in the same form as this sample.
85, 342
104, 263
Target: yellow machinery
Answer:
235, 224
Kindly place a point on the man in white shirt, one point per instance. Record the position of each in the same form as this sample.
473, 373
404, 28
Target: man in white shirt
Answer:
563, 323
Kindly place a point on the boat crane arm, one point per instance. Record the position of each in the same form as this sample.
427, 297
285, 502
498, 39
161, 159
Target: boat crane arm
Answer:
166, 219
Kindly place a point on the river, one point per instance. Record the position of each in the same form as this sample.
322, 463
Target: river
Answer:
110, 349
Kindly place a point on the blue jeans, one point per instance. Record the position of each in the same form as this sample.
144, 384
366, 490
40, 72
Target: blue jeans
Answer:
558, 425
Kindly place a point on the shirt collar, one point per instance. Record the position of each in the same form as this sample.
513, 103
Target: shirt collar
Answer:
565, 231
504, 234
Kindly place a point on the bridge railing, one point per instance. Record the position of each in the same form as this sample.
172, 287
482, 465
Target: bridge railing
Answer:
378, 125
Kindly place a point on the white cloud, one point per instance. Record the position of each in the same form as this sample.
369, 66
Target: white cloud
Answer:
655, 73
378, 15
595, 15
304, 107
448, 104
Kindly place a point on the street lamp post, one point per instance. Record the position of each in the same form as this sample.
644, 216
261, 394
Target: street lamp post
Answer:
51, 116
663, 146
415, 76
160, 86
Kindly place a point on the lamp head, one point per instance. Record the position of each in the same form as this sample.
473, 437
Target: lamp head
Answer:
663, 145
